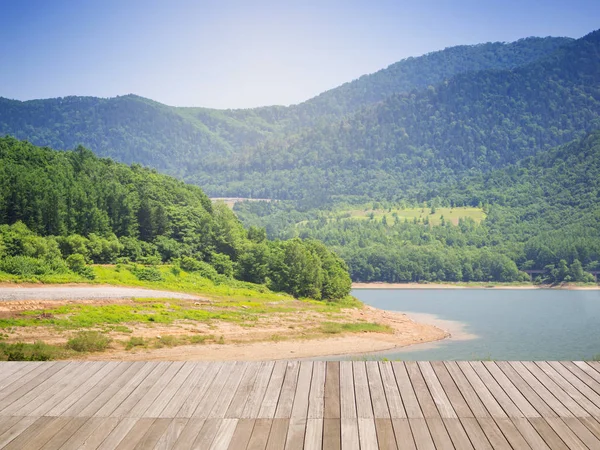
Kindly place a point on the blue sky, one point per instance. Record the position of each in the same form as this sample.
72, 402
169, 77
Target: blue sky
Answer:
239, 54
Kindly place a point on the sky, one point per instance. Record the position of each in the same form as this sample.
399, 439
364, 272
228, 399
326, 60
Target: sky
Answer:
247, 53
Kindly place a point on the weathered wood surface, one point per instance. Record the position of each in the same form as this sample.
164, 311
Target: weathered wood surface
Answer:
294, 405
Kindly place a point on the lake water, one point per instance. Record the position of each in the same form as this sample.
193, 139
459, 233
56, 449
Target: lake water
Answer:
497, 324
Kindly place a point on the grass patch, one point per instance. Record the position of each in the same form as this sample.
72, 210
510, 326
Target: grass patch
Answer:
135, 342
88, 341
410, 214
362, 327
38, 351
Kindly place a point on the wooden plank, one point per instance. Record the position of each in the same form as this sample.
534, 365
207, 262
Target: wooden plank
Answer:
530, 434
185, 391
385, 434
392, 394
407, 393
300, 406
136, 434
244, 390
76, 391
349, 431
316, 397
367, 434
64, 434
574, 388
79, 437
206, 404
269, 403
188, 435
439, 434
99, 435
459, 405
575, 370
6, 422
153, 434
278, 434
493, 433
347, 397
295, 434
288, 389
364, 407
171, 435
332, 391
480, 388
565, 433
559, 393
436, 390
224, 434
332, 434
17, 429
241, 435
511, 433
229, 391
499, 395
421, 391
548, 434
139, 393
117, 393
170, 390
314, 432
582, 432
475, 432
457, 433
35, 440
22, 369
421, 434
526, 390
511, 390
37, 383
106, 383
200, 389
592, 424
378, 399
257, 394
151, 394
260, 434
24, 405
403, 435
208, 432
468, 393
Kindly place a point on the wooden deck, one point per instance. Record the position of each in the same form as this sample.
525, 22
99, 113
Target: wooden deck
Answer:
294, 405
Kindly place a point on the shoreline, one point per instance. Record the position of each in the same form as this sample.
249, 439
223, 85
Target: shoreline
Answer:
382, 285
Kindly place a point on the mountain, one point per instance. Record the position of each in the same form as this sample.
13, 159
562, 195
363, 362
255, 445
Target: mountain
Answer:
197, 143
411, 142
59, 208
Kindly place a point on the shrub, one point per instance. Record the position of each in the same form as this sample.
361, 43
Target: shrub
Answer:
222, 264
38, 351
24, 266
76, 263
146, 273
88, 341
135, 342
200, 267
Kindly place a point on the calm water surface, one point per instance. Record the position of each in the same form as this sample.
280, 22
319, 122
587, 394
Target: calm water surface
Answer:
497, 324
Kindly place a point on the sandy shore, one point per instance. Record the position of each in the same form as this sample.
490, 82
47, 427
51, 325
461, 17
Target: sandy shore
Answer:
378, 285
405, 332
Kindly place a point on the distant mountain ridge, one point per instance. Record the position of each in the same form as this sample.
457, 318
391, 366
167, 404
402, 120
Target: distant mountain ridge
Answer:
271, 151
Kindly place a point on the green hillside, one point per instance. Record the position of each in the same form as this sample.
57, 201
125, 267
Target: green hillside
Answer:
61, 210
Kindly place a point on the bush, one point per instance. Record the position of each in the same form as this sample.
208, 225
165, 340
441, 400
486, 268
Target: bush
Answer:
24, 266
222, 264
135, 342
200, 267
88, 341
38, 351
147, 273
76, 263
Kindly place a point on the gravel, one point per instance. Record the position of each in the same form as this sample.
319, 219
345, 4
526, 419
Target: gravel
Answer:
8, 294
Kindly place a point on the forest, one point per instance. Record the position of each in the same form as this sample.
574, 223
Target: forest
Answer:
60, 211
507, 128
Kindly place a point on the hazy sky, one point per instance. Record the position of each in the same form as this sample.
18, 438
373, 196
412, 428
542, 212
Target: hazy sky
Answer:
245, 53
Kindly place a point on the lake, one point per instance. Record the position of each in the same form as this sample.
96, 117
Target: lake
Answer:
497, 324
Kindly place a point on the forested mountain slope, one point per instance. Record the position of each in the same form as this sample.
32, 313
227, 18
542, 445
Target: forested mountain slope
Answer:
197, 143
75, 207
411, 142
542, 213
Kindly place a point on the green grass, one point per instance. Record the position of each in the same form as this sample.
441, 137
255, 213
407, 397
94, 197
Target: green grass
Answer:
38, 351
449, 214
361, 327
88, 341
